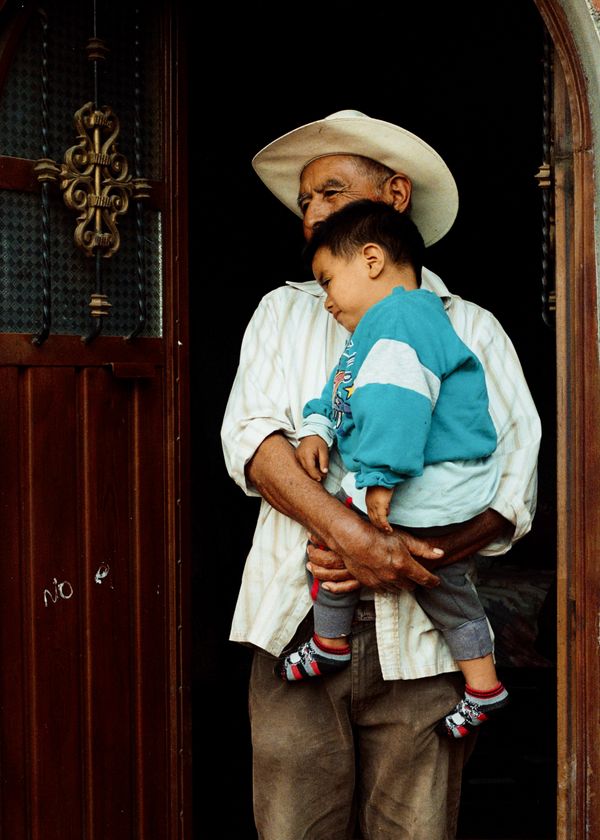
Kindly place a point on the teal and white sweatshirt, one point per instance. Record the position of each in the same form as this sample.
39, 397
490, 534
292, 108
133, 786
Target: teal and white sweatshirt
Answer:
408, 406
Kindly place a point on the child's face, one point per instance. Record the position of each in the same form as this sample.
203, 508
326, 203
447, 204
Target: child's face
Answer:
347, 285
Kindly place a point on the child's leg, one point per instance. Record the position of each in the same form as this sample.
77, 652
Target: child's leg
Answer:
484, 696
455, 609
328, 650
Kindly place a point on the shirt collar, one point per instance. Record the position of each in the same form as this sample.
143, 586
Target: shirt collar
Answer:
310, 286
429, 281
433, 283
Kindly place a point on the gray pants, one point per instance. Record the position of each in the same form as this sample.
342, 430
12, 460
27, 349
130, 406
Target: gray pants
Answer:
453, 607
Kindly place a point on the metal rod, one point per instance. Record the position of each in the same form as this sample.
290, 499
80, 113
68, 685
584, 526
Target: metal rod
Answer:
97, 325
44, 332
95, 69
137, 165
547, 293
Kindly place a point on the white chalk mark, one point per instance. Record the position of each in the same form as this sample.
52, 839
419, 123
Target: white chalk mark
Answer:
103, 572
62, 590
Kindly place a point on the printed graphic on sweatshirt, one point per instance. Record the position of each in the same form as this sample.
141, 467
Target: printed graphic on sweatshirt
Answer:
343, 386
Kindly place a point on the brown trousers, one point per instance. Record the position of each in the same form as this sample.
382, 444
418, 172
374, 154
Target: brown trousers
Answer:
352, 755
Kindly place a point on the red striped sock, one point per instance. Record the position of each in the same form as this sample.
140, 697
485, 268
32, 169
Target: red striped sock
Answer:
489, 699
329, 649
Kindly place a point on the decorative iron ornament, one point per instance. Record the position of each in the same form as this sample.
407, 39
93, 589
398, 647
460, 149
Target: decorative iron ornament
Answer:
95, 180
96, 184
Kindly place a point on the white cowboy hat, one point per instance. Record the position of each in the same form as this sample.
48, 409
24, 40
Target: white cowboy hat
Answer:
434, 198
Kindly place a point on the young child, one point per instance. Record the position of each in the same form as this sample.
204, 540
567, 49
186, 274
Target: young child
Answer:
408, 407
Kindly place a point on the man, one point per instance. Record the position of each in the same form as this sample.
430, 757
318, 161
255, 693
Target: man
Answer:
357, 748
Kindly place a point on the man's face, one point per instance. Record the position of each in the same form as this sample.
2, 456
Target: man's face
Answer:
327, 184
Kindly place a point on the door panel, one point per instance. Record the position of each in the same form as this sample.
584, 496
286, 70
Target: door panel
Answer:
13, 738
51, 583
84, 717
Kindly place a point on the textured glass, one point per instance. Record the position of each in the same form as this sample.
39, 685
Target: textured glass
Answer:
71, 84
73, 274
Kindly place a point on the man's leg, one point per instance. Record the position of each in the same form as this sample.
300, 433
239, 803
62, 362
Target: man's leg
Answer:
410, 777
303, 755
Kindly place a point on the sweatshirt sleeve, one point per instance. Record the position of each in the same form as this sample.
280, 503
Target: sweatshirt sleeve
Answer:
392, 403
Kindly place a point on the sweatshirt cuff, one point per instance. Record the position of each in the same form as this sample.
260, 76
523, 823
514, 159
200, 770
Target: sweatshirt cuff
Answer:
316, 424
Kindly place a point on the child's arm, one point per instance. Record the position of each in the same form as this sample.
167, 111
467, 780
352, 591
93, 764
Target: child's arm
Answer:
312, 454
317, 434
378, 507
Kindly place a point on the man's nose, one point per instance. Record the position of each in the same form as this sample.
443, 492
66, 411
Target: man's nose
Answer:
315, 215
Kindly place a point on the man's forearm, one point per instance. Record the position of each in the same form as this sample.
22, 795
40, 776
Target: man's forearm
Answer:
279, 479
469, 538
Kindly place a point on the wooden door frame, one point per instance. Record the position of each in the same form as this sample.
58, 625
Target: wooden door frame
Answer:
578, 447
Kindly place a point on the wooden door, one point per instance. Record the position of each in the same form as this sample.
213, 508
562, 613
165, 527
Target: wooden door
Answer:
92, 439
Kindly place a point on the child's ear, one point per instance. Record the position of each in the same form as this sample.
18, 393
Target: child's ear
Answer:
374, 257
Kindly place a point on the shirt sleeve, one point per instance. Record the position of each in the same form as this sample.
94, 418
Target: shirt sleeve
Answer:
255, 408
518, 428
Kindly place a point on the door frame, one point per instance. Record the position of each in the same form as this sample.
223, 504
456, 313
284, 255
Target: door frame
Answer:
578, 445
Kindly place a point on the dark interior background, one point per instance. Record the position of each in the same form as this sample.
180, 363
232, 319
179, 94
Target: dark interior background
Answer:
468, 79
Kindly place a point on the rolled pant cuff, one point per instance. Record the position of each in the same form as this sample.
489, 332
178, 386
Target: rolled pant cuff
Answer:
471, 640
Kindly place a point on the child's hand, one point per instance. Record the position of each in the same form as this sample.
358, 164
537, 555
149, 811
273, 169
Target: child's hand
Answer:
313, 454
378, 507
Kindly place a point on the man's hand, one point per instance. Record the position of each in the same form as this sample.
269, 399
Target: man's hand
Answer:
378, 507
341, 574
385, 563
312, 453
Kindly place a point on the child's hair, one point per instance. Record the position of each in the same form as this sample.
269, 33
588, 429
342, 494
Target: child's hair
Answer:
360, 222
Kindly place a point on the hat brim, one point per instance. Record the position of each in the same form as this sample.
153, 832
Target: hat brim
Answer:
434, 202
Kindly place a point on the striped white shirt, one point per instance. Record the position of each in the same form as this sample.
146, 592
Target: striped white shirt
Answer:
288, 351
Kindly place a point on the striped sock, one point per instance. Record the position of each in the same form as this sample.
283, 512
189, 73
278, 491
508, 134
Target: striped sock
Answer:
312, 659
488, 701
475, 708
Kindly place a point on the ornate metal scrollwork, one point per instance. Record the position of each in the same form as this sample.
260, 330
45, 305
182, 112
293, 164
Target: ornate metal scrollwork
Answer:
95, 180
96, 183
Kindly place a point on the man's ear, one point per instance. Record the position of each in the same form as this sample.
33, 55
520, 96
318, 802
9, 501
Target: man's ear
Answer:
374, 257
397, 192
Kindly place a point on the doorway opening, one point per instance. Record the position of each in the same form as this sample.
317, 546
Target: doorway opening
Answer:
472, 86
